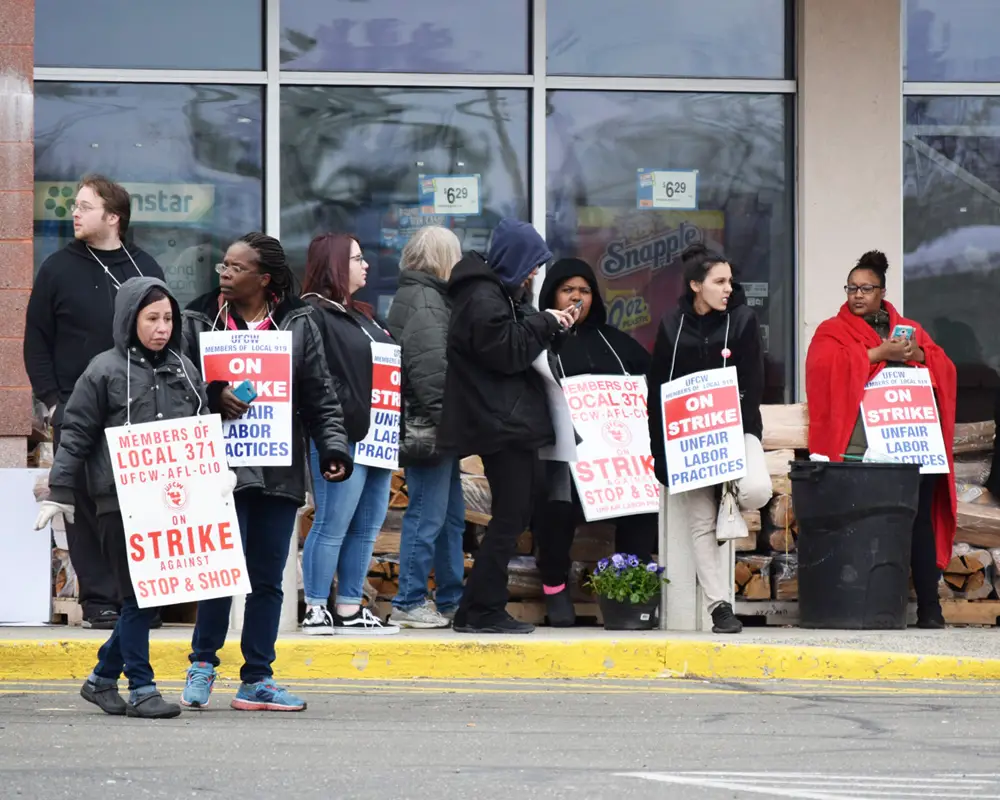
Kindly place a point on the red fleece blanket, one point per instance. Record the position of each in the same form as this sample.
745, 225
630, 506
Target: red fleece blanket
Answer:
837, 369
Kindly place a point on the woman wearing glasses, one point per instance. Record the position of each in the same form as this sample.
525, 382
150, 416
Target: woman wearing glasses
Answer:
846, 352
256, 292
349, 515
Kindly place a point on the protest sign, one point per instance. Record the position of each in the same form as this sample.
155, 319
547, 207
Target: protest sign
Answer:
380, 448
901, 419
703, 430
181, 530
262, 437
614, 472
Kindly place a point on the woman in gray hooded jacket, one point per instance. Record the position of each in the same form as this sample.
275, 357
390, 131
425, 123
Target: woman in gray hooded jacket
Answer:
144, 378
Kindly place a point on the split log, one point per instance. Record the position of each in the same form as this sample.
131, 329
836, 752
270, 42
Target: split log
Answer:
476, 490
785, 426
968, 575
749, 542
978, 525
525, 544
524, 582
777, 468
398, 496
974, 437
780, 511
785, 577
387, 542
472, 465
784, 540
972, 469
753, 577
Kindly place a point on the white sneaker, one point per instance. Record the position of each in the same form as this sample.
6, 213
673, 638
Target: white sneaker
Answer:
318, 621
422, 616
363, 623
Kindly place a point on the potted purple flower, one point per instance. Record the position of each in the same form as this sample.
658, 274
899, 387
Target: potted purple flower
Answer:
628, 592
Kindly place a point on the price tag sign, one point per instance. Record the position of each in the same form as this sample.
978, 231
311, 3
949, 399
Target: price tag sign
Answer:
454, 195
665, 188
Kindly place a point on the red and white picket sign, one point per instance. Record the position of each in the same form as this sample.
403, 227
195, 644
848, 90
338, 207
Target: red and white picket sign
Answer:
380, 448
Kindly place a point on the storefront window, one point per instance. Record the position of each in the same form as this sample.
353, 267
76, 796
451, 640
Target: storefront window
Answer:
731, 189
190, 155
952, 40
179, 34
951, 236
352, 161
672, 38
392, 36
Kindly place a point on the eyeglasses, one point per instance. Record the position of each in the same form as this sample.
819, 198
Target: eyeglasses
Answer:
236, 269
865, 289
360, 257
83, 208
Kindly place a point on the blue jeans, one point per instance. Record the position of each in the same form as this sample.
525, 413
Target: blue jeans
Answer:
433, 526
348, 517
266, 525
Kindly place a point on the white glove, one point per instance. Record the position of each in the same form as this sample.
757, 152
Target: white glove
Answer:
49, 510
228, 483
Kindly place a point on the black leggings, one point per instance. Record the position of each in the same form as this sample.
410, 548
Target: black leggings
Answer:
923, 552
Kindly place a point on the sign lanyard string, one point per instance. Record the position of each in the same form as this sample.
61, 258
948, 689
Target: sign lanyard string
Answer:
677, 341
107, 272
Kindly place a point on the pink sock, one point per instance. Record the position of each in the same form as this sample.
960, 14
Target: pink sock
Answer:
553, 589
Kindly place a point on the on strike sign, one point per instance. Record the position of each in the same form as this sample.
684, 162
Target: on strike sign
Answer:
703, 430
181, 530
380, 448
614, 475
901, 419
263, 436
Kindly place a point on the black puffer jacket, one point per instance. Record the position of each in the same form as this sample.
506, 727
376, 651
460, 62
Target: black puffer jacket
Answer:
702, 340
418, 321
317, 410
126, 384
493, 399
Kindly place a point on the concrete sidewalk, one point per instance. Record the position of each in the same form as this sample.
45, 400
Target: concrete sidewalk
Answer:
57, 652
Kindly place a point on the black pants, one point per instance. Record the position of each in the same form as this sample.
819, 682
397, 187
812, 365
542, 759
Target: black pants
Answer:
923, 552
511, 475
96, 584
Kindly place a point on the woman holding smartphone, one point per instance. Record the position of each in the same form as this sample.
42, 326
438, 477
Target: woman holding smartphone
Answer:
847, 351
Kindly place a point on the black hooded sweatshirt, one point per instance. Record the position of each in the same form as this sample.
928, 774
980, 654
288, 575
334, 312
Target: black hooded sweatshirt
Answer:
702, 340
70, 314
591, 347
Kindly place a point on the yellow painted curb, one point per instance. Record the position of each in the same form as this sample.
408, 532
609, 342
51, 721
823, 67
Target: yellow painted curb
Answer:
26, 660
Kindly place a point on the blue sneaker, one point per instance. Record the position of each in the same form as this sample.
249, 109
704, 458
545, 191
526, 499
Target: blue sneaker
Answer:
266, 695
197, 690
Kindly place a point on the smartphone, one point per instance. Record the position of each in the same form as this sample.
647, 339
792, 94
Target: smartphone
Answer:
578, 304
245, 392
903, 332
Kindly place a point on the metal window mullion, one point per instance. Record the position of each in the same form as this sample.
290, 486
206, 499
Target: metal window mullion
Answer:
450, 81
956, 89
272, 120
717, 85
537, 170
187, 76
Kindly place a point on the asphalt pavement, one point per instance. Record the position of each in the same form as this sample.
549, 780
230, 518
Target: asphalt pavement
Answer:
517, 740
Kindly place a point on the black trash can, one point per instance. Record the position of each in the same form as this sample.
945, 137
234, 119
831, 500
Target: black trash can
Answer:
855, 530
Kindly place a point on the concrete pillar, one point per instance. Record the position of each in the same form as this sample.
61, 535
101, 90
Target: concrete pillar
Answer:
17, 34
850, 151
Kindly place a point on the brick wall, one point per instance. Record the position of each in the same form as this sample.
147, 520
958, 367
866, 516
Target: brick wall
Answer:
17, 33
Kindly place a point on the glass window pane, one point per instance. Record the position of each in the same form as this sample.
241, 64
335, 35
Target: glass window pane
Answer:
672, 38
351, 160
951, 236
190, 155
179, 34
391, 36
952, 40
740, 146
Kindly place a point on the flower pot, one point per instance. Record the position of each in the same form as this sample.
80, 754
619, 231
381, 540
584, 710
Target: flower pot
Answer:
629, 616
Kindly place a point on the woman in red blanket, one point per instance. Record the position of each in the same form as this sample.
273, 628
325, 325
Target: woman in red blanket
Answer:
848, 351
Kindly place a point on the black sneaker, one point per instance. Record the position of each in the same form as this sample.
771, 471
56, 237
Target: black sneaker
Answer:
318, 621
152, 706
559, 609
724, 620
105, 698
362, 623
500, 624
102, 620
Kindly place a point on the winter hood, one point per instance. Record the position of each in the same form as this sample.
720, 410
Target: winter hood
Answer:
563, 270
127, 302
515, 251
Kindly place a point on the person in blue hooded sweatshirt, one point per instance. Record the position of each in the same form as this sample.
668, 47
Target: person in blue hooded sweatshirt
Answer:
495, 404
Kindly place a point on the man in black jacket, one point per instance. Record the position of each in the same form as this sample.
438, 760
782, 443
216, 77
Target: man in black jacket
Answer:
495, 404
69, 321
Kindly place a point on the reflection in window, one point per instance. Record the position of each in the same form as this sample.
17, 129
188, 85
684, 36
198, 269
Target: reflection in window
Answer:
391, 36
952, 40
740, 147
179, 34
673, 38
951, 236
351, 160
190, 155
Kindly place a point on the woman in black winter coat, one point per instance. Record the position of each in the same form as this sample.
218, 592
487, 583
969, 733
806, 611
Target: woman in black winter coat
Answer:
434, 522
256, 293
711, 328
116, 389
495, 404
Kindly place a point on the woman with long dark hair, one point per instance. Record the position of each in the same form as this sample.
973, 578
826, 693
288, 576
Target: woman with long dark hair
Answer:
348, 515
256, 292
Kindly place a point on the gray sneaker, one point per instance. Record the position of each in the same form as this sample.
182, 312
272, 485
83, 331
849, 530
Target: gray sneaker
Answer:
422, 616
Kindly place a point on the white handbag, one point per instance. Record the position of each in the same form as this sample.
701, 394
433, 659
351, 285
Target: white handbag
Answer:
730, 524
